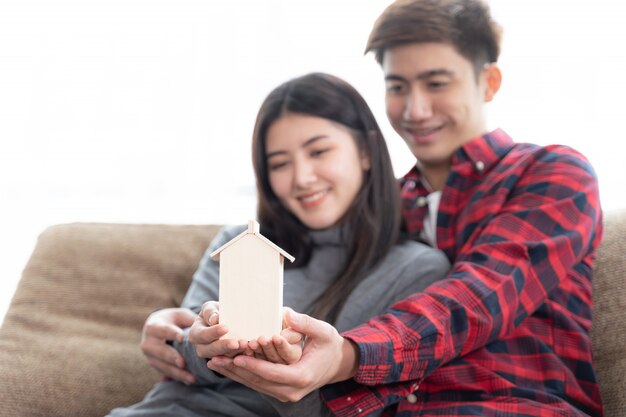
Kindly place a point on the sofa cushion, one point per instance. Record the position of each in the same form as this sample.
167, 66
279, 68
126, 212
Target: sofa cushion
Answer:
69, 345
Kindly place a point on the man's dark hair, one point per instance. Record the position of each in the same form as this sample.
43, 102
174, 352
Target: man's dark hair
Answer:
465, 24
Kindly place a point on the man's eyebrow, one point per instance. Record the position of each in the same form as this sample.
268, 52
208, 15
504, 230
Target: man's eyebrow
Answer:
305, 144
422, 75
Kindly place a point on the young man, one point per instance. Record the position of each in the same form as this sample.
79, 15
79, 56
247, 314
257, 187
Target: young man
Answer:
506, 332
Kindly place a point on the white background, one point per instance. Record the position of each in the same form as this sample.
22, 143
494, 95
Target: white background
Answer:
141, 111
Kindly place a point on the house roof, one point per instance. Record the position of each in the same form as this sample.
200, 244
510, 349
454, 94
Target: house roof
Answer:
253, 229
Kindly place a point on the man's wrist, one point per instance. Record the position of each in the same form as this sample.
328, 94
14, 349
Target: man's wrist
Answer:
349, 363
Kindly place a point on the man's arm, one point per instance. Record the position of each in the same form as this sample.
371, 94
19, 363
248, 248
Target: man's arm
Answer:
549, 223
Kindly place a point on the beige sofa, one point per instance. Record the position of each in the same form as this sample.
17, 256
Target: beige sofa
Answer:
69, 342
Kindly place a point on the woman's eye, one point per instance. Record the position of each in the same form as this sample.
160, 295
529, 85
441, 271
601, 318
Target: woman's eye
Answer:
274, 166
318, 152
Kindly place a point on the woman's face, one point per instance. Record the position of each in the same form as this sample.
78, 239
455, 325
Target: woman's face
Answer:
314, 167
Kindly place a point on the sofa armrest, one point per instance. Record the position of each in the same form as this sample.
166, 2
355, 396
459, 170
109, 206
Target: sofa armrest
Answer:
608, 329
69, 344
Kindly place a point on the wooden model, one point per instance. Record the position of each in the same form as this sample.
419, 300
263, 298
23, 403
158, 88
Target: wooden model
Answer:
251, 285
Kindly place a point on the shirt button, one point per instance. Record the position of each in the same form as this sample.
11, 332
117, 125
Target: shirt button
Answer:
422, 201
480, 166
412, 398
415, 387
410, 185
359, 410
349, 399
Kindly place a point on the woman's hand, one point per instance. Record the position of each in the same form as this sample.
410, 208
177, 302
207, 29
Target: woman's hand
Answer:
327, 358
206, 331
285, 348
161, 327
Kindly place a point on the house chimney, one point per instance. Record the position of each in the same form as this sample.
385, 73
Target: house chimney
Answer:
253, 227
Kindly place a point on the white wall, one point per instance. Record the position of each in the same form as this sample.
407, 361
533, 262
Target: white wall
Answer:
141, 111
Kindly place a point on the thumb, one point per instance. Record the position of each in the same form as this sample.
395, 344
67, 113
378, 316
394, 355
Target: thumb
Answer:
305, 324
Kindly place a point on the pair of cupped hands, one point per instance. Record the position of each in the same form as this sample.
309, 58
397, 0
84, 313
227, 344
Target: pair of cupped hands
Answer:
205, 334
283, 366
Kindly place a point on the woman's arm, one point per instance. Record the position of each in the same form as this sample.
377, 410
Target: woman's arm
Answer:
160, 329
164, 327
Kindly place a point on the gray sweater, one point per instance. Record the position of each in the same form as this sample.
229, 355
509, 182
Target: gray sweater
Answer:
408, 268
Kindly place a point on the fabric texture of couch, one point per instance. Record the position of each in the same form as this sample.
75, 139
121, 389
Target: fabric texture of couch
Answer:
69, 344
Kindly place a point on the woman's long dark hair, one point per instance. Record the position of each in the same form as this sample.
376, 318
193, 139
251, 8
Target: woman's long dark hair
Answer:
373, 220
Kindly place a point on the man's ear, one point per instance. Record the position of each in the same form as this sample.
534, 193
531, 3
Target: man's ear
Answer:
493, 80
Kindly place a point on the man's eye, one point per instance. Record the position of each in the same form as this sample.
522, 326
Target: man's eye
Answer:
395, 88
437, 85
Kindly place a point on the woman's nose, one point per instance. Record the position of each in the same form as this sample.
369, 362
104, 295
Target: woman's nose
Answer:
304, 173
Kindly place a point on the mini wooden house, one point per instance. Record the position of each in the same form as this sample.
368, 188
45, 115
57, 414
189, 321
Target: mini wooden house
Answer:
251, 285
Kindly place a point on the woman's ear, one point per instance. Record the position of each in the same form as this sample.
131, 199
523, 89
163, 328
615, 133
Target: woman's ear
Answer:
366, 163
493, 80
366, 160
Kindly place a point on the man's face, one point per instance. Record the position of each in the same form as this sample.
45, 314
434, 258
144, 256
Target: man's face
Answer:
434, 100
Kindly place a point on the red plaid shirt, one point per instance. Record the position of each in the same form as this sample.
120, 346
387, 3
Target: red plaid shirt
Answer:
506, 332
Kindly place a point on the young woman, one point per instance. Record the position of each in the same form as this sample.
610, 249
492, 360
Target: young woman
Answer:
328, 196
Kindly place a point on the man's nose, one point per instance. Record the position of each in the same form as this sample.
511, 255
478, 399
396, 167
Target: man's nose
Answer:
417, 107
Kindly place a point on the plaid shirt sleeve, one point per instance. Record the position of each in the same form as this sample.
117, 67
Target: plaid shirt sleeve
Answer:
518, 233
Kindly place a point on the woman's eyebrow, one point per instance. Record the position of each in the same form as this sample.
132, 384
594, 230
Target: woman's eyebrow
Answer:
308, 142
315, 139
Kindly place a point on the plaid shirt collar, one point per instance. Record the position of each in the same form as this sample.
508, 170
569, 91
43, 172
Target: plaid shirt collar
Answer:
470, 163
476, 156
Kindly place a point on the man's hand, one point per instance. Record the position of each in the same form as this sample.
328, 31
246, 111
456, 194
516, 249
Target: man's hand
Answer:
327, 358
161, 327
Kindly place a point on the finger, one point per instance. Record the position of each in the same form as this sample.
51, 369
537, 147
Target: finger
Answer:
245, 349
234, 349
310, 327
261, 388
183, 317
201, 334
157, 348
226, 367
269, 371
254, 345
226, 347
289, 353
163, 331
209, 312
244, 345
174, 372
256, 349
292, 336
269, 351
